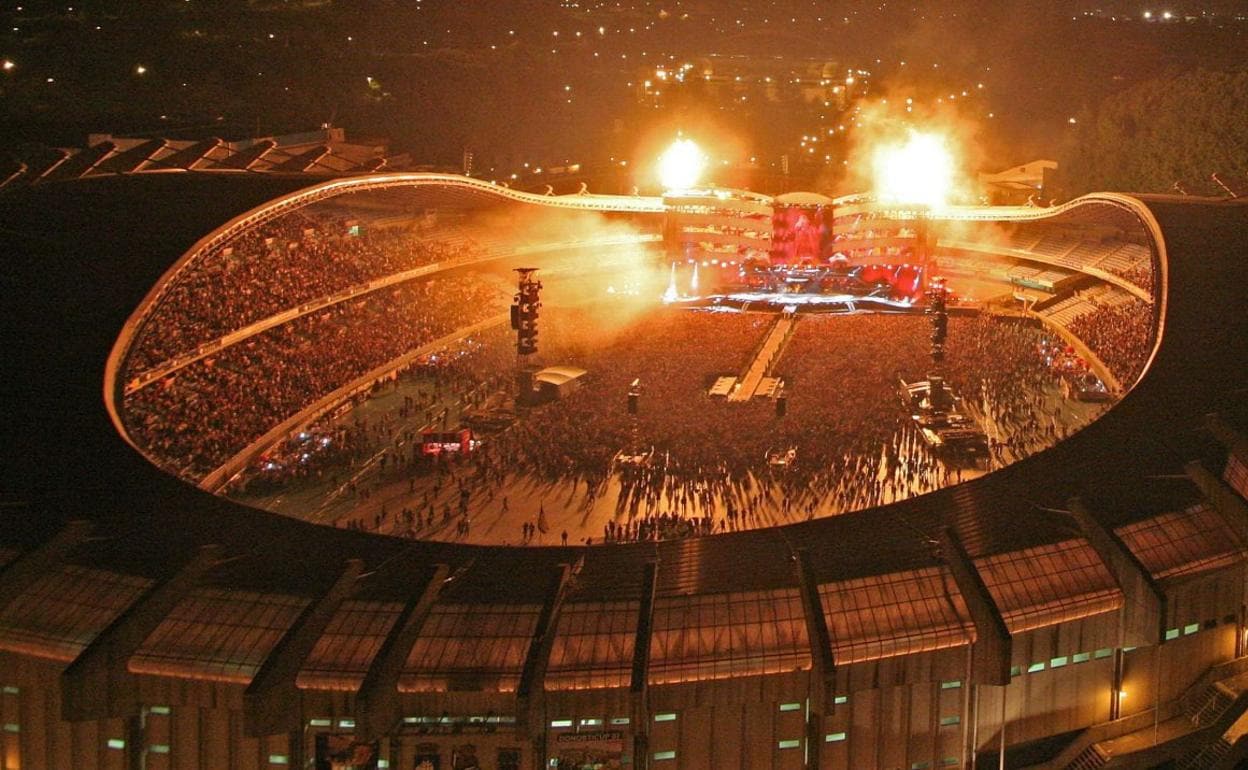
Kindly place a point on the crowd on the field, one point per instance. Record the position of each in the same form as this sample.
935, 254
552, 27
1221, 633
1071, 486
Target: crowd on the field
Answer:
276, 266
701, 465
199, 416
1120, 335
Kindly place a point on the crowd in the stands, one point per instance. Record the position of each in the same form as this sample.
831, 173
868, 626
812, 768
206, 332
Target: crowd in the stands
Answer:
279, 265
1120, 335
199, 416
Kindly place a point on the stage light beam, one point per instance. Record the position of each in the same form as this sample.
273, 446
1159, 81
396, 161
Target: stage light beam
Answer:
919, 171
681, 165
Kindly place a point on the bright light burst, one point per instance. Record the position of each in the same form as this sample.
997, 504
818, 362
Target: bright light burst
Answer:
681, 165
920, 171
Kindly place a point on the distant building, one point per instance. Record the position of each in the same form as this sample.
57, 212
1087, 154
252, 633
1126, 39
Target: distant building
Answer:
1015, 186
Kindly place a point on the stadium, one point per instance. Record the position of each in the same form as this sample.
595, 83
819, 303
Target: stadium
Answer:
1075, 600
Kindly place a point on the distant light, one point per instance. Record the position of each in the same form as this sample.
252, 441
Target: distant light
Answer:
1071, 121
8, 65
140, 70
1148, 14
681, 165
1167, 16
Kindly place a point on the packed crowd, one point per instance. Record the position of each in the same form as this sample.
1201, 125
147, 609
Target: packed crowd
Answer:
1120, 335
1141, 275
199, 416
708, 464
290, 260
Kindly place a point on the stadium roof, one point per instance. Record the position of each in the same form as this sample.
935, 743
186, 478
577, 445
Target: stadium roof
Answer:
85, 253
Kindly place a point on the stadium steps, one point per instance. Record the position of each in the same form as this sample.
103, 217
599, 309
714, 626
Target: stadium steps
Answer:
1211, 709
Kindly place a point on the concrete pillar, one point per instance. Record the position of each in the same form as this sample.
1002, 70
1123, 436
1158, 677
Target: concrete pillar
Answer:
993, 646
22, 573
97, 684
639, 686
271, 703
1142, 619
530, 706
377, 702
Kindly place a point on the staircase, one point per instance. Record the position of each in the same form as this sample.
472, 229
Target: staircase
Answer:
1090, 758
1207, 757
1211, 704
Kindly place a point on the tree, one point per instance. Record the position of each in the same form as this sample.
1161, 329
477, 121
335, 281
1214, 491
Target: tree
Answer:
1172, 129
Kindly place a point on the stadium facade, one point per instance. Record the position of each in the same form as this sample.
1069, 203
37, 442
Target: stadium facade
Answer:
1060, 610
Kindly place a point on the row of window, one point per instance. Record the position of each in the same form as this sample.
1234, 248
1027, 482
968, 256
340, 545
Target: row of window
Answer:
1064, 660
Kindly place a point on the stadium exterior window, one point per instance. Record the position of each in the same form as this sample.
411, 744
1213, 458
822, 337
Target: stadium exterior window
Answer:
12, 727
561, 723
383, 764
1016, 671
790, 707
834, 737
1058, 662
161, 710
591, 723
949, 761
668, 717
661, 755
920, 765
330, 722
789, 744
279, 759
951, 685
950, 720
346, 723
1190, 629
1171, 633
1104, 652
619, 720
1081, 657
1034, 667
116, 743
838, 700
159, 748
11, 690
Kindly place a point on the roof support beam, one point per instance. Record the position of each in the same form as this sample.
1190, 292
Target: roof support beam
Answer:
22, 573
1141, 621
377, 701
639, 686
271, 702
97, 685
1228, 436
529, 692
822, 661
990, 654
1225, 500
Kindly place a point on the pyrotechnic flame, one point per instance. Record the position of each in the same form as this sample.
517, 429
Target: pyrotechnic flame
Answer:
681, 165
670, 295
920, 171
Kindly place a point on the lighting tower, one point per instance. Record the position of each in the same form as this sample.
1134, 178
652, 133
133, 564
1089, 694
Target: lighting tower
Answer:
524, 307
938, 312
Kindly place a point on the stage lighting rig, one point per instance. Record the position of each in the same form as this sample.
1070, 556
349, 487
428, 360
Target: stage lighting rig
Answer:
524, 310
